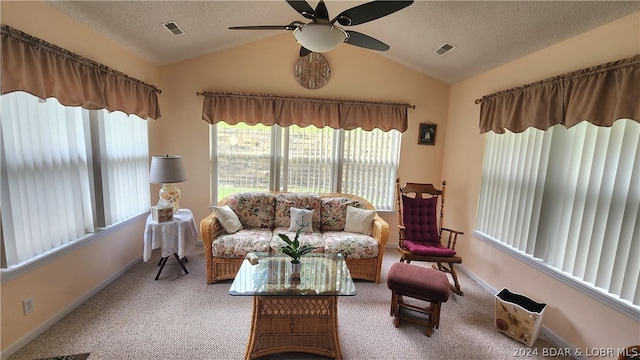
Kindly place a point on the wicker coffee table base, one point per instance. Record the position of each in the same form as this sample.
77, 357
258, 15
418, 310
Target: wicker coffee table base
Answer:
294, 324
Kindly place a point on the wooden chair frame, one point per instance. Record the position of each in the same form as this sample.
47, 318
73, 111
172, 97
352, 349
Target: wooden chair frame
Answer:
442, 263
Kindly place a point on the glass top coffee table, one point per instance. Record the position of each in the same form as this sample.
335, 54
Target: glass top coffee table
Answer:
294, 313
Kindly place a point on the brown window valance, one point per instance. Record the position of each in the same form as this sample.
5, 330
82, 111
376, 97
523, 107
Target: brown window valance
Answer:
42, 69
270, 110
600, 95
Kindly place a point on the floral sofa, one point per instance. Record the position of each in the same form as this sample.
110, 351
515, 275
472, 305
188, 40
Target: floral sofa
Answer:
251, 221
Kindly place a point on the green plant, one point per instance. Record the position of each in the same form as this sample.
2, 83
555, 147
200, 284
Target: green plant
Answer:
293, 248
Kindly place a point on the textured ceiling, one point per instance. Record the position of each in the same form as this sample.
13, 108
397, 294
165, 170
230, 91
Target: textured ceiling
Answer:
486, 33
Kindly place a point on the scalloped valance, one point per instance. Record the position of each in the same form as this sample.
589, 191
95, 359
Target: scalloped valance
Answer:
284, 111
600, 95
45, 70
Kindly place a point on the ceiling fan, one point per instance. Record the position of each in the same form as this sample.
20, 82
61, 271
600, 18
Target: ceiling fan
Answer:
322, 35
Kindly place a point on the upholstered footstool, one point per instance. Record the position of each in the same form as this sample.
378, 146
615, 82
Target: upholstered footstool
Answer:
426, 284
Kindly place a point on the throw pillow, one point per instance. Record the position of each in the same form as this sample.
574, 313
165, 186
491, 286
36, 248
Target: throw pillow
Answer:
227, 218
359, 220
301, 218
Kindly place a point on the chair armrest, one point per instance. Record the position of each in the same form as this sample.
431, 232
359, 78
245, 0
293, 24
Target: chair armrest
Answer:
452, 238
453, 231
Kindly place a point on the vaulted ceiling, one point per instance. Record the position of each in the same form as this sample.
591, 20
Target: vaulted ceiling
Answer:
486, 34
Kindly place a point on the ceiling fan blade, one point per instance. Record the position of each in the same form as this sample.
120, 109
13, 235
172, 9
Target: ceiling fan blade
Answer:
303, 8
370, 11
290, 27
365, 41
304, 51
321, 12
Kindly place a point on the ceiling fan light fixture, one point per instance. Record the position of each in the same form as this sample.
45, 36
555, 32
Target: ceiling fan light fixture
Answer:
319, 37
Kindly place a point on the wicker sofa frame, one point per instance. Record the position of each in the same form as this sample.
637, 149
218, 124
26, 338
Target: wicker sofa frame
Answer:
220, 268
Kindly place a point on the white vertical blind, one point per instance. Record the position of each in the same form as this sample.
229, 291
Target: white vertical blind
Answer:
309, 159
46, 201
51, 187
370, 164
124, 162
570, 197
305, 159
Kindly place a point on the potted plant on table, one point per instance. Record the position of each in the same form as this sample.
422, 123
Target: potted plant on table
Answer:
294, 250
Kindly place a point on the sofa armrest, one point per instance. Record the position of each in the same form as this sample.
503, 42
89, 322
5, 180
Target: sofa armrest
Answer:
210, 228
380, 232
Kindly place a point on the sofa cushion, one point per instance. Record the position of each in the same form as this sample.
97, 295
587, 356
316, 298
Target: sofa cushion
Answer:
254, 209
228, 219
312, 238
285, 201
334, 212
301, 218
351, 245
359, 220
237, 245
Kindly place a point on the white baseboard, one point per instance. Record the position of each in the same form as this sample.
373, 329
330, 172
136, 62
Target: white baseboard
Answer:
13, 348
562, 344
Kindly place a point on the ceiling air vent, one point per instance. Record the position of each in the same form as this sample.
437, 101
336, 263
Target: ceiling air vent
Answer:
173, 27
444, 49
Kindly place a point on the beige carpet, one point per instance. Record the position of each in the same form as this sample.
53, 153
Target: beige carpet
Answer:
180, 317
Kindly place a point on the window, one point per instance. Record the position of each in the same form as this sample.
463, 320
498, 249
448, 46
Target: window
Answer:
309, 159
569, 199
66, 172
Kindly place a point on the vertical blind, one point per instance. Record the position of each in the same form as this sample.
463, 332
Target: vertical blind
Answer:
259, 158
570, 197
370, 165
65, 172
308, 164
124, 150
45, 176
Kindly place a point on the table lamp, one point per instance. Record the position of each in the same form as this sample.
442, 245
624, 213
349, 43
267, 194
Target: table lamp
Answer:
168, 170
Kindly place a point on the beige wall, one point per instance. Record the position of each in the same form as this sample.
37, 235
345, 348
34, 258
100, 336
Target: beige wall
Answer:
60, 283
573, 316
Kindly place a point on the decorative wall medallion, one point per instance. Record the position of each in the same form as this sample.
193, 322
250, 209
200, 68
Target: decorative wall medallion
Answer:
312, 71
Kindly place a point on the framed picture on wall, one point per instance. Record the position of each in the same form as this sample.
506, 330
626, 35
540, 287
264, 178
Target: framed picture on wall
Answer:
427, 134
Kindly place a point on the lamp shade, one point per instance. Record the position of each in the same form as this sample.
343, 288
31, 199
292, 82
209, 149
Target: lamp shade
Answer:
319, 37
167, 169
